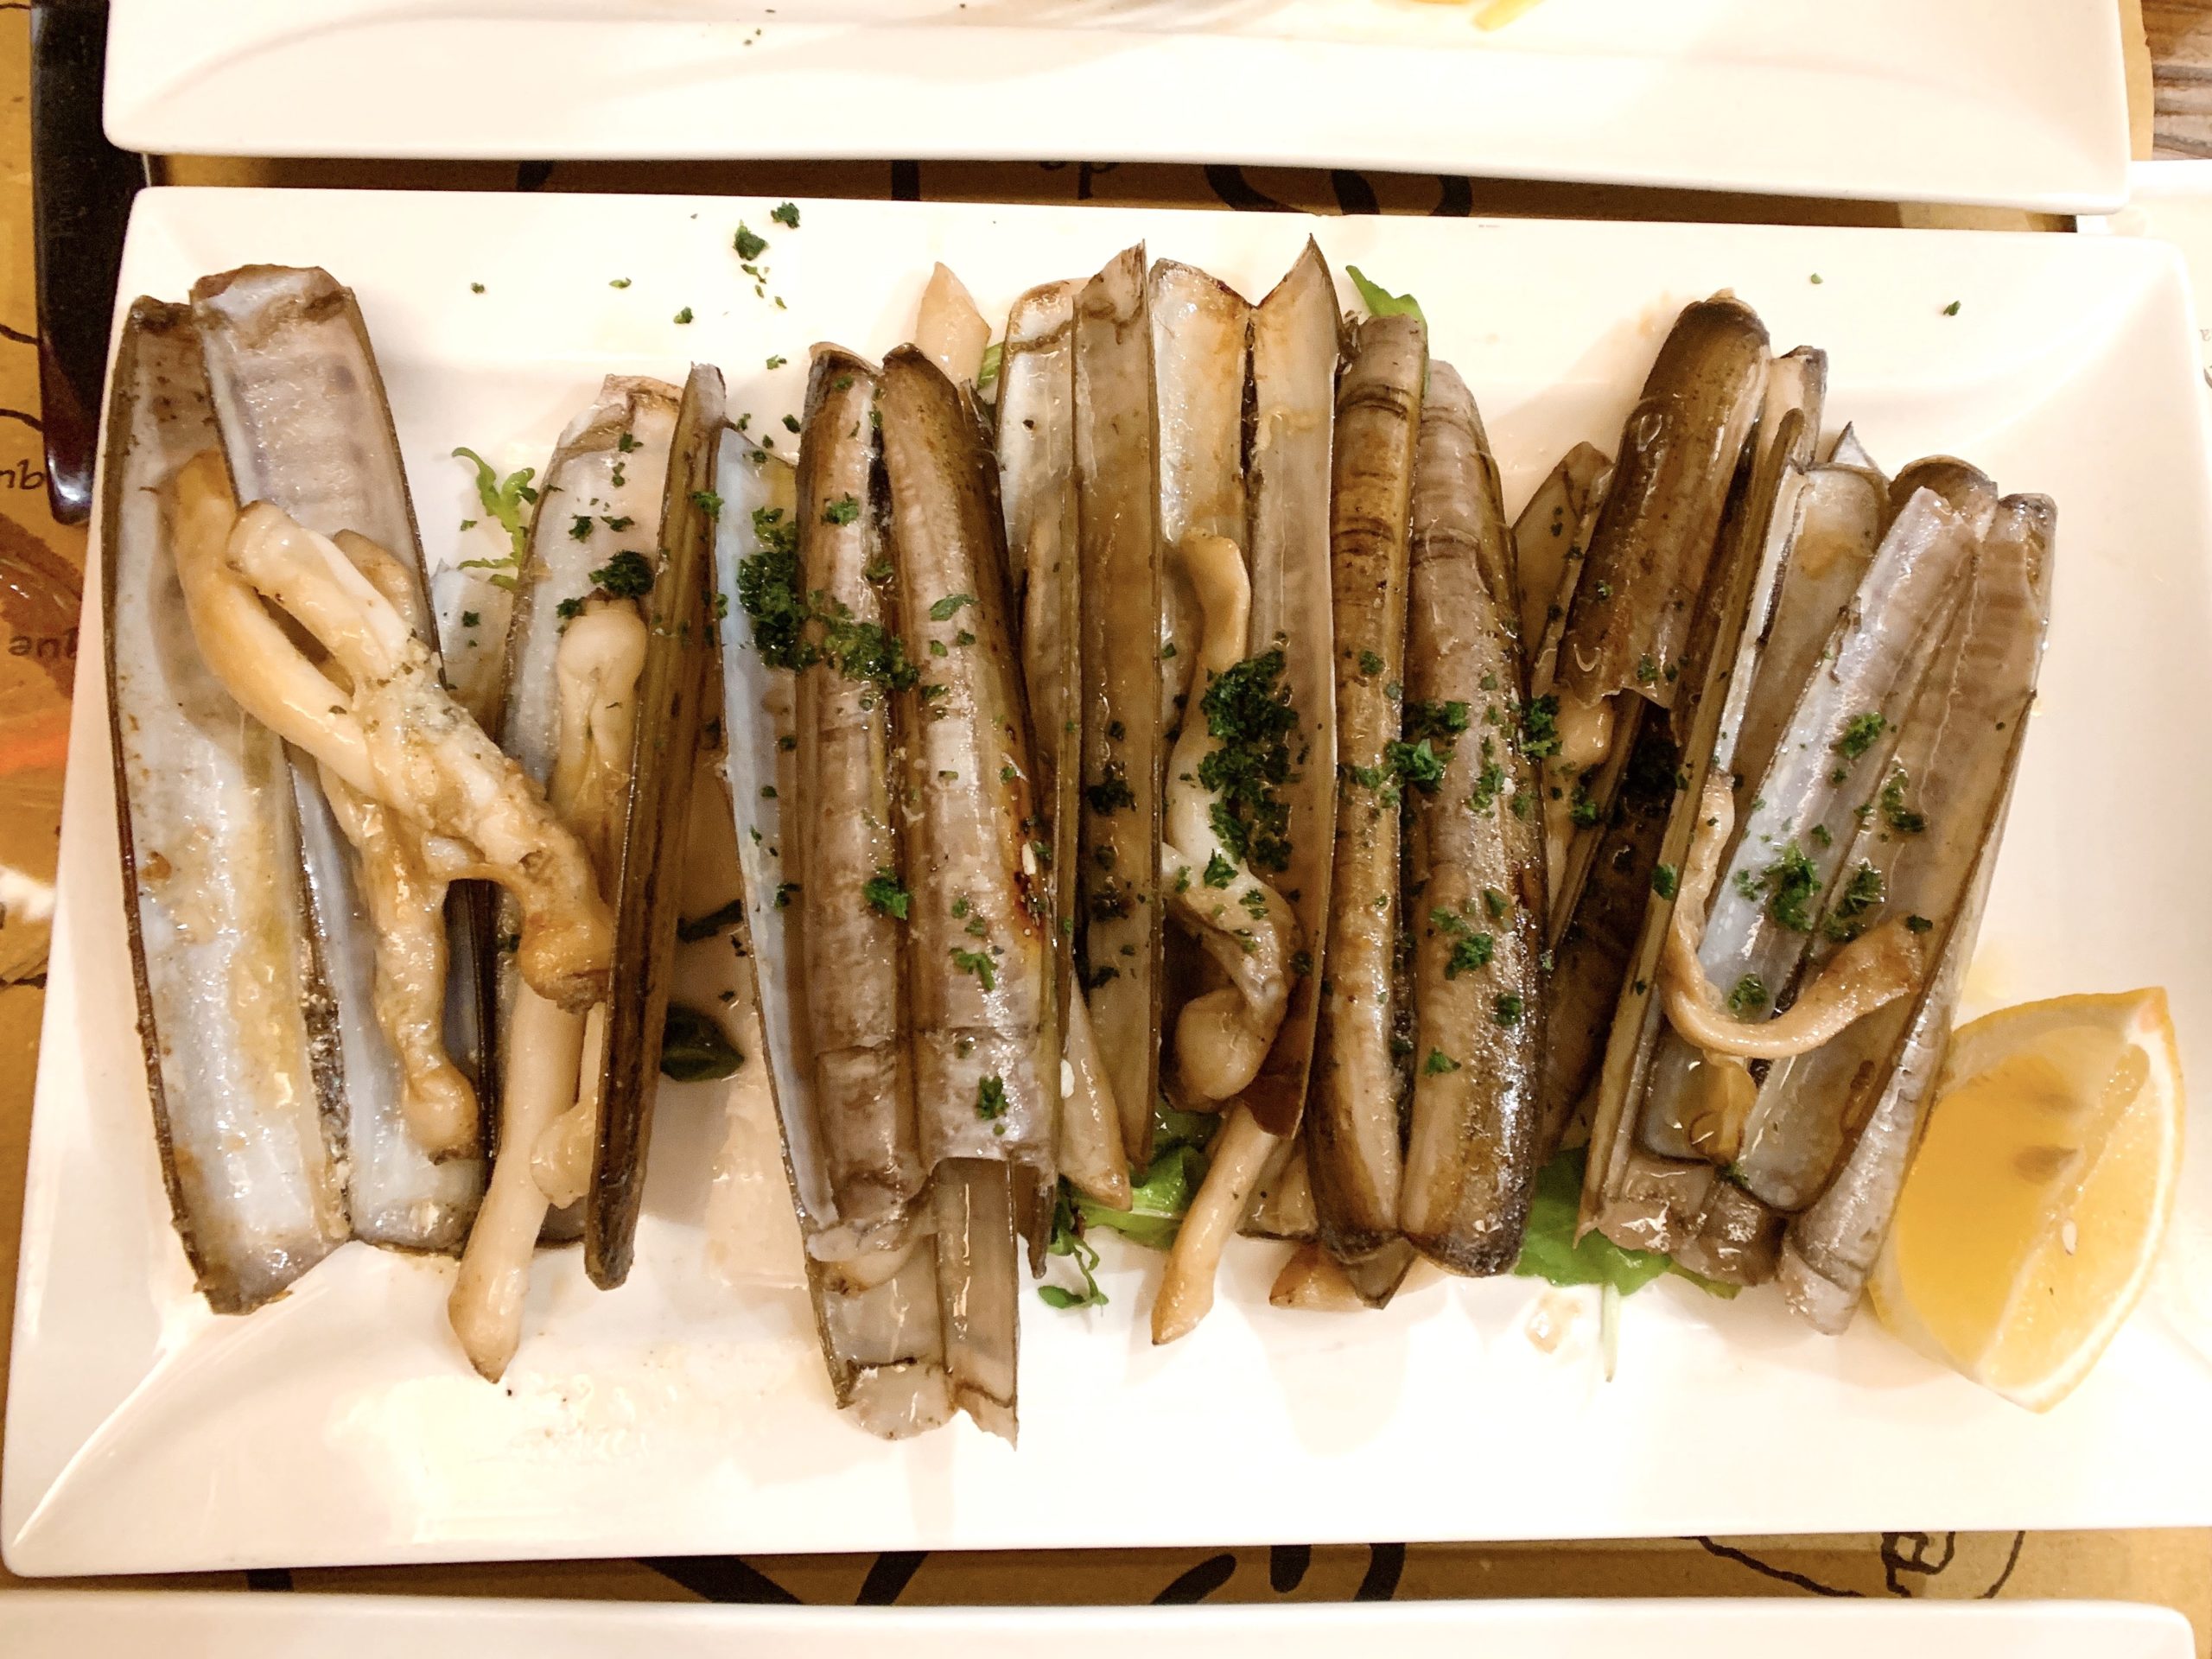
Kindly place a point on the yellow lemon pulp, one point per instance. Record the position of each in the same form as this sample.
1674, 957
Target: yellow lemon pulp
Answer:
2035, 1203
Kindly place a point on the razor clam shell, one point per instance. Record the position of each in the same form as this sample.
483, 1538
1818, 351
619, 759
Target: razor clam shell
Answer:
1351, 1121
1037, 492
1740, 593
1655, 538
1849, 451
978, 964
883, 1344
305, 425
1471, 1149
1872, 664
1548, 536
1958, 749
1118, 923
1297, 342
232, 1010
670, 694
855, 1033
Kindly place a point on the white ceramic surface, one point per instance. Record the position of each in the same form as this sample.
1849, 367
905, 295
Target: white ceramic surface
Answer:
680, 1415
64, 1625
2014, 101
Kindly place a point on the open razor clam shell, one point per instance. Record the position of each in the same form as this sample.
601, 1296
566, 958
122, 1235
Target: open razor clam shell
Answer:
1353, 1152
1037, 494
979, 980
1297, 343
1549, 538
1807, 798
1474, 864
1740, 586
236, 1025
648, 895
305, 425
1119, 927
883, 1343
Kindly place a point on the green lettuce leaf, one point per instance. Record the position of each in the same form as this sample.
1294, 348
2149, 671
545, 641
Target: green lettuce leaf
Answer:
1551, 1252
1380, 301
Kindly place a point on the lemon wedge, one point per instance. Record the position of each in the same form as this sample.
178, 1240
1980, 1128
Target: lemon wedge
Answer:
2032, 1212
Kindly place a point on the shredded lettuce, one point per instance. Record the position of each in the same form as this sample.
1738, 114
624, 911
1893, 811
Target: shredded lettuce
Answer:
989, 370
504, 499
1550, 1251
1380, 301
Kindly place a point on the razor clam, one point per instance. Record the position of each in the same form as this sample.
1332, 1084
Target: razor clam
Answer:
1119, 925
1296, 344
233, 1014
1549, 538
1626, 632
1351, 1123
667, 714
1849, 451
848, 842
1475, 863
1934, 808
1037, 489
881, 1329
979, 978
1791, 850
305, 425
1200, 342
1739, 593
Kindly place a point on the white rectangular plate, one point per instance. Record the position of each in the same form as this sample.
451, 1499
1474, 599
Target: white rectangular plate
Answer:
80, 1624
2011, 101
679, 1414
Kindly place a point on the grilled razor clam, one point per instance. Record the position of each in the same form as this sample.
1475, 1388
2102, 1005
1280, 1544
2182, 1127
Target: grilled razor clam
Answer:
1933, 810
1037, 491
877, 1314
1222, 1035
1790, 854
848, 924
305, 425
672, 692
1282, 1199
1849, 451
1351, 1121
396, 737
1475, 865
1738, 595
978, 968
1200, 330
233, 1014
1549, 536
1636, 597
1119, 925
544, 1157
1296, 341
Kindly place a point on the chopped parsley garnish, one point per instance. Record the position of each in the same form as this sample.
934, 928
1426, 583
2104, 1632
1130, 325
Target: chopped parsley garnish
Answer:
1248, 714
866, 651
1506, 1010
1917, 924
1664, 882
580, 527
979, 963
777, 362
785, 215
1894, 812
1439, 722
1255, 902
620, 282
1860, 894
1219, 872
1540, 728
886, 895
947, 607
469, 618
842, 511
708, 503
625, 443
1418, 764
1111, 793
683, 316
1438, 1063
1470, 951
1860, 732
1647, 672
748, 244
768, 591
626, 575
791, 425
1494, 903
1489, 781
691, 931
1952, 309
786, 892
990, 1098
568, 609
1369, 663
1791, 884
1749, 996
